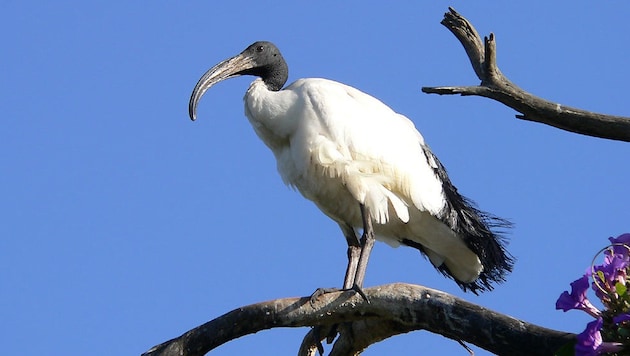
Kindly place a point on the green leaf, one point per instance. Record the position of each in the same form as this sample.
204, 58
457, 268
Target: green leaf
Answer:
621, 289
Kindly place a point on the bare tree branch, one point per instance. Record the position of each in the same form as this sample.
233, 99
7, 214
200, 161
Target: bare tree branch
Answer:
393, 309
495, 85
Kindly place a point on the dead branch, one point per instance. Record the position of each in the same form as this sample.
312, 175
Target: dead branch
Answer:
393, 309
495, 85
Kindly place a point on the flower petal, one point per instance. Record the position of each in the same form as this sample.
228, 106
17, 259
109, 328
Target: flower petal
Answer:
577, 298
589, 340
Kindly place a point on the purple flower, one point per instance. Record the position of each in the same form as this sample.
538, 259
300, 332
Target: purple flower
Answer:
590, 339
610, 283
613, 267
577, 299
613, 271
589, 342
618, 249
621, 239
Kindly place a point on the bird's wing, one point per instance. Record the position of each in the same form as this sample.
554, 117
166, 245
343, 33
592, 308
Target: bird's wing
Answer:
377, 152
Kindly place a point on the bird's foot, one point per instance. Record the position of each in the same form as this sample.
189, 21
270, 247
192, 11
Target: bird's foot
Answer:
330, 332
360, 291
321, 291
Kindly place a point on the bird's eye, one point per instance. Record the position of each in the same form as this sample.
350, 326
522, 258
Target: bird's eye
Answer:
259, 48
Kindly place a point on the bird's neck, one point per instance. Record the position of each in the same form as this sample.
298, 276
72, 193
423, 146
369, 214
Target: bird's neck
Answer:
267, 112
276, 76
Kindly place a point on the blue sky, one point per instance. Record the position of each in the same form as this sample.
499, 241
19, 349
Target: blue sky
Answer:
123, 224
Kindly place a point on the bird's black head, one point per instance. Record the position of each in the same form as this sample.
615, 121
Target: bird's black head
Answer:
268, 64
262, 59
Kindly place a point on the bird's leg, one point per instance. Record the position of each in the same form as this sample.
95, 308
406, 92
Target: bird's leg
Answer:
358, 255
367, 242
354, 252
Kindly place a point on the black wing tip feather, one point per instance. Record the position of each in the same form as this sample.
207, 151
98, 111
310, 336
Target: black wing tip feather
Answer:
485, 235
482, 232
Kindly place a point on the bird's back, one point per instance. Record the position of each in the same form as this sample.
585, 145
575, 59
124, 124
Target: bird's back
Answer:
345, 134
341, 147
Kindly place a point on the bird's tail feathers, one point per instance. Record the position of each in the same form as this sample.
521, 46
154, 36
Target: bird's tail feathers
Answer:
482, 232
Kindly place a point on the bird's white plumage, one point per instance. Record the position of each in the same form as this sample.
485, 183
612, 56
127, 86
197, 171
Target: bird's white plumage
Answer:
340, 147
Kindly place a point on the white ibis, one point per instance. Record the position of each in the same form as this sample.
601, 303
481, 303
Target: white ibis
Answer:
366, 167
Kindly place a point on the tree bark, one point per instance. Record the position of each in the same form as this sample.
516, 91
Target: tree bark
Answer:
495, 85
392, 309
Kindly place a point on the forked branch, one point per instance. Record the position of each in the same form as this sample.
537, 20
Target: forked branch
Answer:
495, 85
393, 309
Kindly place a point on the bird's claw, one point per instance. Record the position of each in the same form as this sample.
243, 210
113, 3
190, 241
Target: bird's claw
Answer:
321, 291
360, 292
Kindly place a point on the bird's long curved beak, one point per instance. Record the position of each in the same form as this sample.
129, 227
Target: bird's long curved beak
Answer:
229, 68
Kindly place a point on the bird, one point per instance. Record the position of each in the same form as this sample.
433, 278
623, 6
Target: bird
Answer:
367, 168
